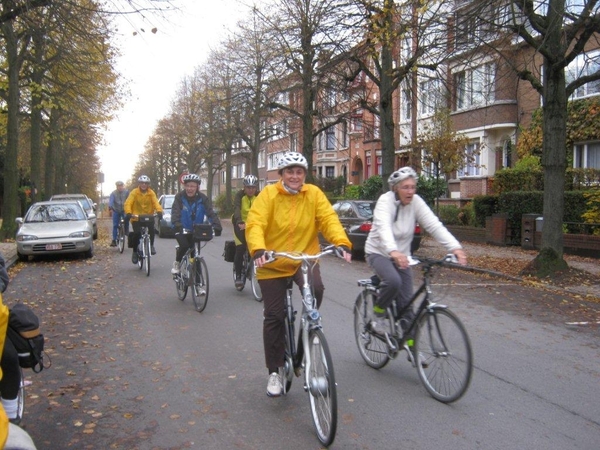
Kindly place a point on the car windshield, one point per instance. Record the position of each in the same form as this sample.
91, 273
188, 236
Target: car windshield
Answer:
54, 213
169, 202
364, 210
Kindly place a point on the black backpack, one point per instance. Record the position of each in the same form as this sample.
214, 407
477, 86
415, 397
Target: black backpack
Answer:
24, 332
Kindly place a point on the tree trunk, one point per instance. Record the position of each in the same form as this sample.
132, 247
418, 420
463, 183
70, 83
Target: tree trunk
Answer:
550, 257
388, 147
36, 116
11, 175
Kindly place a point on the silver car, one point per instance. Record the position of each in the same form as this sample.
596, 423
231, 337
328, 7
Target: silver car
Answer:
54, 227
88, 205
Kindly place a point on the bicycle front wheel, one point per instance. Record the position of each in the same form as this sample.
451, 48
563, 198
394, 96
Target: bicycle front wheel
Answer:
121, 239
199, 275
371, 347
147, 256
321, 387
181, 281
443, 355
256, 292
20, 400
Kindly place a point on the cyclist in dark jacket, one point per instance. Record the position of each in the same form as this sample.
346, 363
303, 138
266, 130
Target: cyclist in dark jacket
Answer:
190, 207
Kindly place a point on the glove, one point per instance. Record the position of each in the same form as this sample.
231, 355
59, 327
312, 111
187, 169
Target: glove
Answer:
128, 216
217, 230
340, 249
258, 254
178, 228
159, 215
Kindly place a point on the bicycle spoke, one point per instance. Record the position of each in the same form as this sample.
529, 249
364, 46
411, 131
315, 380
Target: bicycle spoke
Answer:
444, 355
371, 347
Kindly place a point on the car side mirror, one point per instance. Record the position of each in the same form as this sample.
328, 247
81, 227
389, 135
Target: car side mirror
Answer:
91, 216
19, 221
94, 206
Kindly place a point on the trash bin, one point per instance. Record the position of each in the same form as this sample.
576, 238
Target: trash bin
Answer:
539, 224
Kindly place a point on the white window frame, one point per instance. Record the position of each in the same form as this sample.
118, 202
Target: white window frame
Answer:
472, 169
583, 65
475, 87
585, 157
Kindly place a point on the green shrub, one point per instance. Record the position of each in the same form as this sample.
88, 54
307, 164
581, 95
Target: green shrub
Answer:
467, 215
484, 206
225, 210
353, 192
449, 215
372, 188
430, 189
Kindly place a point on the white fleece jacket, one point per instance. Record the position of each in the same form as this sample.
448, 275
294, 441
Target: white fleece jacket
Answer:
387, 235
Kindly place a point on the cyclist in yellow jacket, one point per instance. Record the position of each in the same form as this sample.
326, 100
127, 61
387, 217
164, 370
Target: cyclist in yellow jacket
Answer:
241, 207
287, 216
142, 200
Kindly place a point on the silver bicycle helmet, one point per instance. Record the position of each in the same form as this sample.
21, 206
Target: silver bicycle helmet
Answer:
144, 179
191, 177
119, 183
291, 159
401, 175
250, 181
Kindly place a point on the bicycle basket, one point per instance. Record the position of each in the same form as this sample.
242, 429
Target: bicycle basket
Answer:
145, 218
203, 232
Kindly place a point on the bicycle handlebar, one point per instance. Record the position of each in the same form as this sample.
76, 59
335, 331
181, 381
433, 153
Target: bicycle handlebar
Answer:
449, 258
271, 255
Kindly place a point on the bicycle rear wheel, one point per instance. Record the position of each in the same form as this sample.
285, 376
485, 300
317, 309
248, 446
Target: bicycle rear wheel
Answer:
20, 400
199, 276
371, 347
321, 387
443, 355
121, 238
181, 279
147, 255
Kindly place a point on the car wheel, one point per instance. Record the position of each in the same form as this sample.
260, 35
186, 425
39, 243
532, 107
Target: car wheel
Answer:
95, 233
89, 253
22, 258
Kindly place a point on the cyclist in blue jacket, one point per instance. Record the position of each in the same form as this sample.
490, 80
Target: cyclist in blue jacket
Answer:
190, 207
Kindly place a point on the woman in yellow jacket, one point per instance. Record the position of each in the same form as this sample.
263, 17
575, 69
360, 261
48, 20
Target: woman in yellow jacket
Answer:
142, 200
287, 217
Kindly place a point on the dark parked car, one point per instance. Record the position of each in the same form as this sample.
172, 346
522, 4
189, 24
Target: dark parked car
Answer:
356, 217
164, 227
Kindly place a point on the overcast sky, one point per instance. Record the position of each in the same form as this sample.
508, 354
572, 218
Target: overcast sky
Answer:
153, 65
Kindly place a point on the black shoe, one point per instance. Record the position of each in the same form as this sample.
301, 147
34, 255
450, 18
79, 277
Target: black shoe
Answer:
134, 257
152, 250
113, 243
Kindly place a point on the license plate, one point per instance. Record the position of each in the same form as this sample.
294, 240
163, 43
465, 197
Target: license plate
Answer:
53, 247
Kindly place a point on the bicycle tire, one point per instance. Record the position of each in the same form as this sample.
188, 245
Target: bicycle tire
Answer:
242, 277
287, 375
199, 275
121, 238
147, 255
371, 347
321, 387
256, 291
443, 355
20, 400
140, 251
181, 282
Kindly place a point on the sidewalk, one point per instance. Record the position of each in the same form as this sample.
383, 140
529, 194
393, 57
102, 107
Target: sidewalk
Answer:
583, 278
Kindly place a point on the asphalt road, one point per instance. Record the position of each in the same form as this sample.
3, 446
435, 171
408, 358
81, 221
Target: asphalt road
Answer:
135, 368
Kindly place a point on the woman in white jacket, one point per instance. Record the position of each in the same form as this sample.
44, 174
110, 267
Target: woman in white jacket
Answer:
388, 244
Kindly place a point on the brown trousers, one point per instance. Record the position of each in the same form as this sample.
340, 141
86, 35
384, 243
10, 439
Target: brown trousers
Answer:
273, 293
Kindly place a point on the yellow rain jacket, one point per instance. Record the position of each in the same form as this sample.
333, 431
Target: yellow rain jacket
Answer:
3, 326
286, 222
140, 202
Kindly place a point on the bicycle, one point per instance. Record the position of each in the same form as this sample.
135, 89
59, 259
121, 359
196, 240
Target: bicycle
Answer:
193, 271
249, 273
442, 350
319, 379
144, 247
121, 236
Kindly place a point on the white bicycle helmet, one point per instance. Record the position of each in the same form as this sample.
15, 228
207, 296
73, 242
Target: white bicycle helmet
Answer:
250, 181
191, 177
401, 175
291, 159
144, 179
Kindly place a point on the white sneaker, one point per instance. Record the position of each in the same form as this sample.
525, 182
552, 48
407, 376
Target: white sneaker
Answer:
175, 269
274, 386
380, 325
